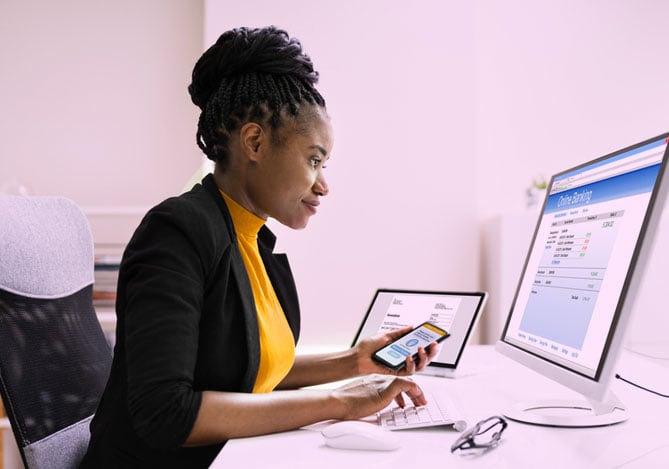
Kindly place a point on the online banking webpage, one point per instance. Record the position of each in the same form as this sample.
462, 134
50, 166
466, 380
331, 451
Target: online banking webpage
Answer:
580, 258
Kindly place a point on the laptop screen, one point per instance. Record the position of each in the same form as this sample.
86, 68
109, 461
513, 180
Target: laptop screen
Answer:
457, 312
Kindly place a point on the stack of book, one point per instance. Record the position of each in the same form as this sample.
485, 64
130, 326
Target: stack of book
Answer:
107, 262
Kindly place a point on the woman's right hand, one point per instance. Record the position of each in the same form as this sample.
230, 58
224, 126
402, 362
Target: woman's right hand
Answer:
370, 394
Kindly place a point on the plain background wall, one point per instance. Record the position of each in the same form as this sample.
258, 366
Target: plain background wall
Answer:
94, 101
561, 82
444, 112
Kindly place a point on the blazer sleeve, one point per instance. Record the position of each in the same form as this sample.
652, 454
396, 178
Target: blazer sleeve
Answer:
161, 285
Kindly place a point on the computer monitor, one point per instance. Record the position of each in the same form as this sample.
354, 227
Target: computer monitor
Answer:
582, 272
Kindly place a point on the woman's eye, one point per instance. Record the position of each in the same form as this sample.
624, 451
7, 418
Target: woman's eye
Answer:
315, 161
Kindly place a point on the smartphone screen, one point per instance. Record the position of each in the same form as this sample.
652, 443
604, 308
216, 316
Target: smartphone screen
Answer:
394, 355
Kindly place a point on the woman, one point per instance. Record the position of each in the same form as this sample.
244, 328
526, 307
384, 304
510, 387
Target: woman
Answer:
208, 316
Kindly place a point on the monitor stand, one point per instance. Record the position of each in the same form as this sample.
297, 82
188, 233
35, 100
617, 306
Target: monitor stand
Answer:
570, 413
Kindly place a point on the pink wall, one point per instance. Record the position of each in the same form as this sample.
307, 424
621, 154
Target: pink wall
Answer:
94, 101
562, 82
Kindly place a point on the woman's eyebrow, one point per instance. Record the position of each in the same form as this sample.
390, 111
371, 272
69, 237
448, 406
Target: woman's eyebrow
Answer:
322, 150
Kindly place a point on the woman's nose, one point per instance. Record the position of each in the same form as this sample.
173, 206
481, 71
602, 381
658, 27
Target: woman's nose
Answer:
321, 186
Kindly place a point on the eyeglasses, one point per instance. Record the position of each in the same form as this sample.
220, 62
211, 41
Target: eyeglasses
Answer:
484, 435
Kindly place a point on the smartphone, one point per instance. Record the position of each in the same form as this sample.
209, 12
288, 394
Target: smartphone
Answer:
394, 355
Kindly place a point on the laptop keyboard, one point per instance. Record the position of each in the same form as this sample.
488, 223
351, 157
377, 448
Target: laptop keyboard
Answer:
438, 411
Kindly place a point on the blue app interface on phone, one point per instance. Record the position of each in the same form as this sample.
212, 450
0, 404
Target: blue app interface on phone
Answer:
397, 352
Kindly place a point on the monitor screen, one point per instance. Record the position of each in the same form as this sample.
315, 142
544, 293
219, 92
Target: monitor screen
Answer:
580, 263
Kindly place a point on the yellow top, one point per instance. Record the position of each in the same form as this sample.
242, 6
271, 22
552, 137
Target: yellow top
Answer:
277, 345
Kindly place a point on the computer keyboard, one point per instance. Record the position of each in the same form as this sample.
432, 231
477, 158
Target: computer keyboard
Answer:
438, 411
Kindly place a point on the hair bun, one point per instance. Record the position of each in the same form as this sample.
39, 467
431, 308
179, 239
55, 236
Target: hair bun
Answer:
244, 50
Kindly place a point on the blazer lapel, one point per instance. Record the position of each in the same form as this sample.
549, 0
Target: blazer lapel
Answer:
250, 318
245, 291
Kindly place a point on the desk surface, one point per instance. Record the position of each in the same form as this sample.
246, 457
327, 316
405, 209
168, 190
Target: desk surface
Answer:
488, 384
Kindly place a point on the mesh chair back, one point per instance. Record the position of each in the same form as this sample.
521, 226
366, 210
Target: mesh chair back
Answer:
54, 358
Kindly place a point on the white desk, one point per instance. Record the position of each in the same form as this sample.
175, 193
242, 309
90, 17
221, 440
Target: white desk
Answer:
489, 384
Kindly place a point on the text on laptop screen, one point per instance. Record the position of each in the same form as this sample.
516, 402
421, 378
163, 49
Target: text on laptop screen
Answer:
455, 312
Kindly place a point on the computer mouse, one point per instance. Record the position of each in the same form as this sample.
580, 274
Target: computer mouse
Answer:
356, 434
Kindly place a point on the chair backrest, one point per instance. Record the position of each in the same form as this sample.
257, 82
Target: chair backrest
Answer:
54, 358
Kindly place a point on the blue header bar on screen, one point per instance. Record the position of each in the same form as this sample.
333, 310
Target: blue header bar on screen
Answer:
649, 146
622, 185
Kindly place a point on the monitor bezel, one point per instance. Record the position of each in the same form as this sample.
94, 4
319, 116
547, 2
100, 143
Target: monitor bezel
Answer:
596, 387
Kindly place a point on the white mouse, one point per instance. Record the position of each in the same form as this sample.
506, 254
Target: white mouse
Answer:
355, 434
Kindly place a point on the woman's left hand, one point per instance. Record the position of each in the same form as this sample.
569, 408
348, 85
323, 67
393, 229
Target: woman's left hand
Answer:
366, 348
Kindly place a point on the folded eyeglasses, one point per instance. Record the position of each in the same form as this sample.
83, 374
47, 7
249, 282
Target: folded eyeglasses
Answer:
484, 435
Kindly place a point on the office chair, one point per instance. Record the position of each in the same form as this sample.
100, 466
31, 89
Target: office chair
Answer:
54, 358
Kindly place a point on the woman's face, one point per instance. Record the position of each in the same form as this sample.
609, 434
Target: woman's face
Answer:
287, 182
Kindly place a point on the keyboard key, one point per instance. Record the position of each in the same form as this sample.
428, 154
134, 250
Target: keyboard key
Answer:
436, 412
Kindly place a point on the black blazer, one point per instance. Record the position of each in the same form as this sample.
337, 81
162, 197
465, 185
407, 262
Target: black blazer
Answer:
186, 322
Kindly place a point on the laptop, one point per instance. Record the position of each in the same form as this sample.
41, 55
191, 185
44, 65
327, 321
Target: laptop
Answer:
457, 312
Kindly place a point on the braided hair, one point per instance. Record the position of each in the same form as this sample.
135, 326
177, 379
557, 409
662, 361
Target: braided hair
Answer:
256, 75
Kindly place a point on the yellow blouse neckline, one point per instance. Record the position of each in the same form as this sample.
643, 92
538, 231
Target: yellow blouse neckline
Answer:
246, 223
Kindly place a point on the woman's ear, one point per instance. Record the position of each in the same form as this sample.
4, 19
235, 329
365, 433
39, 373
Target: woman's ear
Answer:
251, 138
